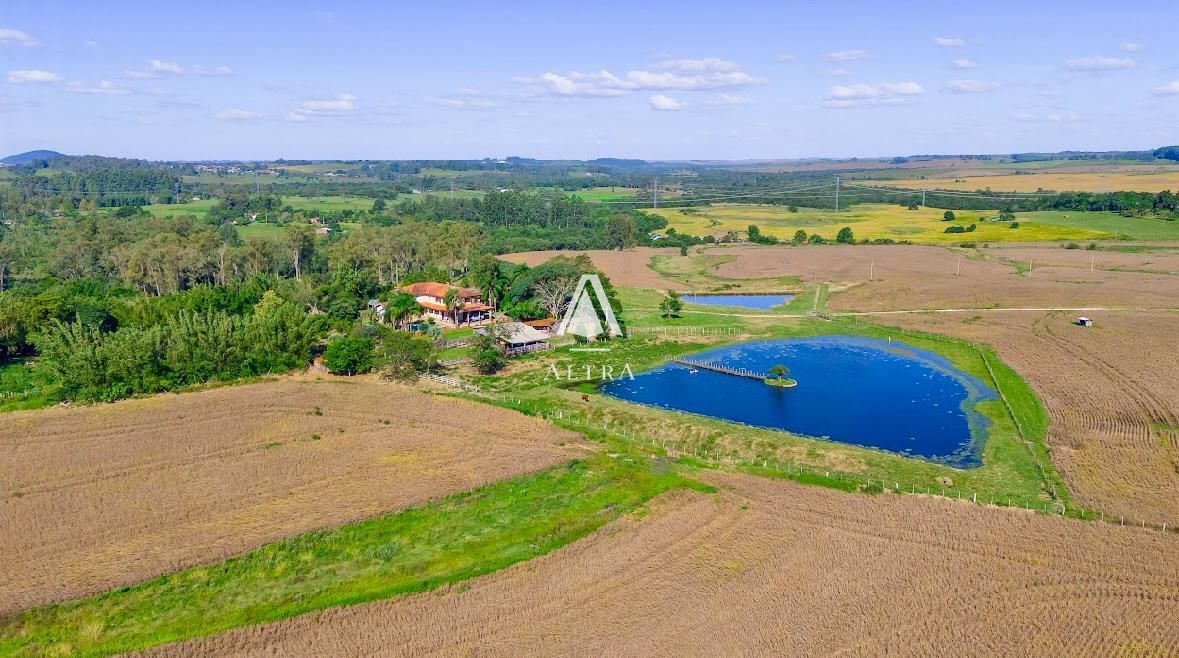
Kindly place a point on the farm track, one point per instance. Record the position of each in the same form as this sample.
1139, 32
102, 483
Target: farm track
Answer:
772, 567
96, 498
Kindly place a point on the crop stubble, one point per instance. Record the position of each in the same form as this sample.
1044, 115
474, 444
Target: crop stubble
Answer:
96, 498
771, 567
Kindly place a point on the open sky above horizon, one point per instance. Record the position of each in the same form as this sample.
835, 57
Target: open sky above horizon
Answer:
685, 80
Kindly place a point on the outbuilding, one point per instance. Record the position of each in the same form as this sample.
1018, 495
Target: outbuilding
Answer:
1084, 322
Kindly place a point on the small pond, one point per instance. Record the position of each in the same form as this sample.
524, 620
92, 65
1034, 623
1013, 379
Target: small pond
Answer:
760, 302
855, 390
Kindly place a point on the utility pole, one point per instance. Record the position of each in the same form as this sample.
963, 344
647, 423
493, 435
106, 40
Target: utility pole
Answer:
837, 194
256, 189
872, 272
959, 272
655, 194
923, 197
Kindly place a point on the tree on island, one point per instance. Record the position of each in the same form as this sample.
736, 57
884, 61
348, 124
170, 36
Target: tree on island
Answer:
779, 371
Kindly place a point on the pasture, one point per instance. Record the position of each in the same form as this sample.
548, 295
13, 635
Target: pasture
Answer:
870, 221
603, 194
168, 210
101, 497
328, 203
772, 567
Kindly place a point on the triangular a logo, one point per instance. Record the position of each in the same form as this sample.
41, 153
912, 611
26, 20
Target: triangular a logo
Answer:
581, 318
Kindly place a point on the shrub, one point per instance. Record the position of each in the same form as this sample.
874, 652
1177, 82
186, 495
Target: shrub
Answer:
845, 236
1072, 245
349, 355
955, 229
948, 216
791, 208
816, 239
1014, 225
799, 237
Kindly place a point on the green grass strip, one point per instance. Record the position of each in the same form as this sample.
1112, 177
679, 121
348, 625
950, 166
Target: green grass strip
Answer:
459, 537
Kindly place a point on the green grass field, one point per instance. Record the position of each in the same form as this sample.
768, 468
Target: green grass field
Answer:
603, 194
1134, 228
879, 221
328, 203
194, 208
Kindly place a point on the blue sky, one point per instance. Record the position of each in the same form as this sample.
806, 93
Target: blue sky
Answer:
717, 80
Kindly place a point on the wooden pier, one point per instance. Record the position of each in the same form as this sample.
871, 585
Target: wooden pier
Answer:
714, 367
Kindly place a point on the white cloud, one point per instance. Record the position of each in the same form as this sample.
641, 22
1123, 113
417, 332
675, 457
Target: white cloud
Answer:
157, 68
882, 93
703, 65
786, 57
1099, 63
466, 99
13, 37
1169, 89
101, 88
666, 75
972, 86
33, 77
963, 63
323, 107
947, 42
214, 71
838, 70
602, 83
854, 55
1050, 116
235, 114
665, 103
90, 43
1130, 47
731, 99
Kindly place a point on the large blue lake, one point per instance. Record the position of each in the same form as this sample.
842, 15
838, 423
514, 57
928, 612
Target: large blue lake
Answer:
761, 302
854, 390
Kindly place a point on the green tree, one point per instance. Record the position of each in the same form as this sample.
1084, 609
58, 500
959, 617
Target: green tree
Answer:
620, 232
349, 355
753, 232
816, 239
402, 356
779, 371
799, 237
485, 351
454, 303
671, 305
948, 216
402, 306
845, 236
300, 243
378, 206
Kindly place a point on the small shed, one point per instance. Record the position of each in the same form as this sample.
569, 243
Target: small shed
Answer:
1084, 322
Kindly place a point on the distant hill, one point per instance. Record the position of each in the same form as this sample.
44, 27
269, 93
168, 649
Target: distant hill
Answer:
30, 156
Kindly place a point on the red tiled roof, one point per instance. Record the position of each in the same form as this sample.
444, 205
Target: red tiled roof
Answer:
542, 324
439, 290
466, 307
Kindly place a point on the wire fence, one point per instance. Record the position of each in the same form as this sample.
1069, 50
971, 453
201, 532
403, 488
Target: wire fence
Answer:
726, 330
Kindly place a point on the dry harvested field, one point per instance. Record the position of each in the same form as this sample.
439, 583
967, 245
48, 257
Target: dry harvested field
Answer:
1146, 178
774, 568
625, 268
95, 498
923, 277
1111, 395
